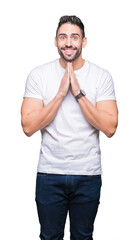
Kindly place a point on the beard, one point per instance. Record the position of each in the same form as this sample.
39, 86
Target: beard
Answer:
70, 58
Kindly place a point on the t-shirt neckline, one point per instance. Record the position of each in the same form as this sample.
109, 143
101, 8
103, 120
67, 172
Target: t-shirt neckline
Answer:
76, 71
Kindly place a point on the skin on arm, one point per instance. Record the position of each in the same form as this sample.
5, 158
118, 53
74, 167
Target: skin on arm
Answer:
35, 116
103, 116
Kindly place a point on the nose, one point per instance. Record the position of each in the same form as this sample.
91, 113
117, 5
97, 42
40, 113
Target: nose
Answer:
68, 42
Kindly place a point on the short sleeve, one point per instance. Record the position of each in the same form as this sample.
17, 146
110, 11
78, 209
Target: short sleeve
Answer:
33, 87
105, 88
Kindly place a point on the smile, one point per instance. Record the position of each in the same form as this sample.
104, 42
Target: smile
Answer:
68, 51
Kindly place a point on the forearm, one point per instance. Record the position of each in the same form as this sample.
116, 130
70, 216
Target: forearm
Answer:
38, 119
101, 120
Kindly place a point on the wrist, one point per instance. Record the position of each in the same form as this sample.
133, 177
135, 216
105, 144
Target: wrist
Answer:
80, 94
60, 96
76, 93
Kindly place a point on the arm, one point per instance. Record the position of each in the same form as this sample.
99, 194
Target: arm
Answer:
35, 116
104, 116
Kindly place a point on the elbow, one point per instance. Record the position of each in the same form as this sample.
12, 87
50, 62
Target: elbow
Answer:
27, 132
111, 132
26, 128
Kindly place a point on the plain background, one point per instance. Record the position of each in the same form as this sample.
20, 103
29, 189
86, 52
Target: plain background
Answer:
27, 40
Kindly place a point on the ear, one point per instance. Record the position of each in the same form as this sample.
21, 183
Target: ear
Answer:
55, 41
84, 42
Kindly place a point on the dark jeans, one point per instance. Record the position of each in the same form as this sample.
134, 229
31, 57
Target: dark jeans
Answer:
57, 194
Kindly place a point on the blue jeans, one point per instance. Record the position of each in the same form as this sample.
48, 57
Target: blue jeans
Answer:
57, 194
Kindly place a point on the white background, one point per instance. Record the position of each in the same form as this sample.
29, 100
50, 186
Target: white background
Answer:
27, 40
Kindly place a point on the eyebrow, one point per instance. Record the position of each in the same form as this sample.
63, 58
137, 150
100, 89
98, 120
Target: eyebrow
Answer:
71, 34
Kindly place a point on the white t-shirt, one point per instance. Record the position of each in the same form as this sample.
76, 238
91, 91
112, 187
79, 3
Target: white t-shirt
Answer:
70, 145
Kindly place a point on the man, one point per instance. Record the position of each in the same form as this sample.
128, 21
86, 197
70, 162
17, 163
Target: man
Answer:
70, 100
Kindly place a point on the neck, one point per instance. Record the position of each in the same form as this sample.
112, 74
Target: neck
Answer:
77, 63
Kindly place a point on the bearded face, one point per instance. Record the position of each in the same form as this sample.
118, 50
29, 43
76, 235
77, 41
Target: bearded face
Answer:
69, 52
69, 42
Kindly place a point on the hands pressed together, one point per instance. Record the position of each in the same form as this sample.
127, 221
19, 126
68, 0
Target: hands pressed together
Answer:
35, 116
69, 80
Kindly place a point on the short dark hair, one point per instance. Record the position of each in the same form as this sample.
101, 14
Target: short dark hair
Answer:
73, 20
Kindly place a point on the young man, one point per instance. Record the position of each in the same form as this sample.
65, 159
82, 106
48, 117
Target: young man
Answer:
70, 100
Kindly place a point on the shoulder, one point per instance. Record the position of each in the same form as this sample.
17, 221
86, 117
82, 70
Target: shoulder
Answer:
102, 75
43, 68
96, 68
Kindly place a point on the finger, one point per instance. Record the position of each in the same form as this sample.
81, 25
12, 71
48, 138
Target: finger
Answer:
68, 69
72, 70
72, 74
69, 65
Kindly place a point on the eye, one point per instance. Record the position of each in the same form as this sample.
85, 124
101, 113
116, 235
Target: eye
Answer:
75, 38
62, 37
